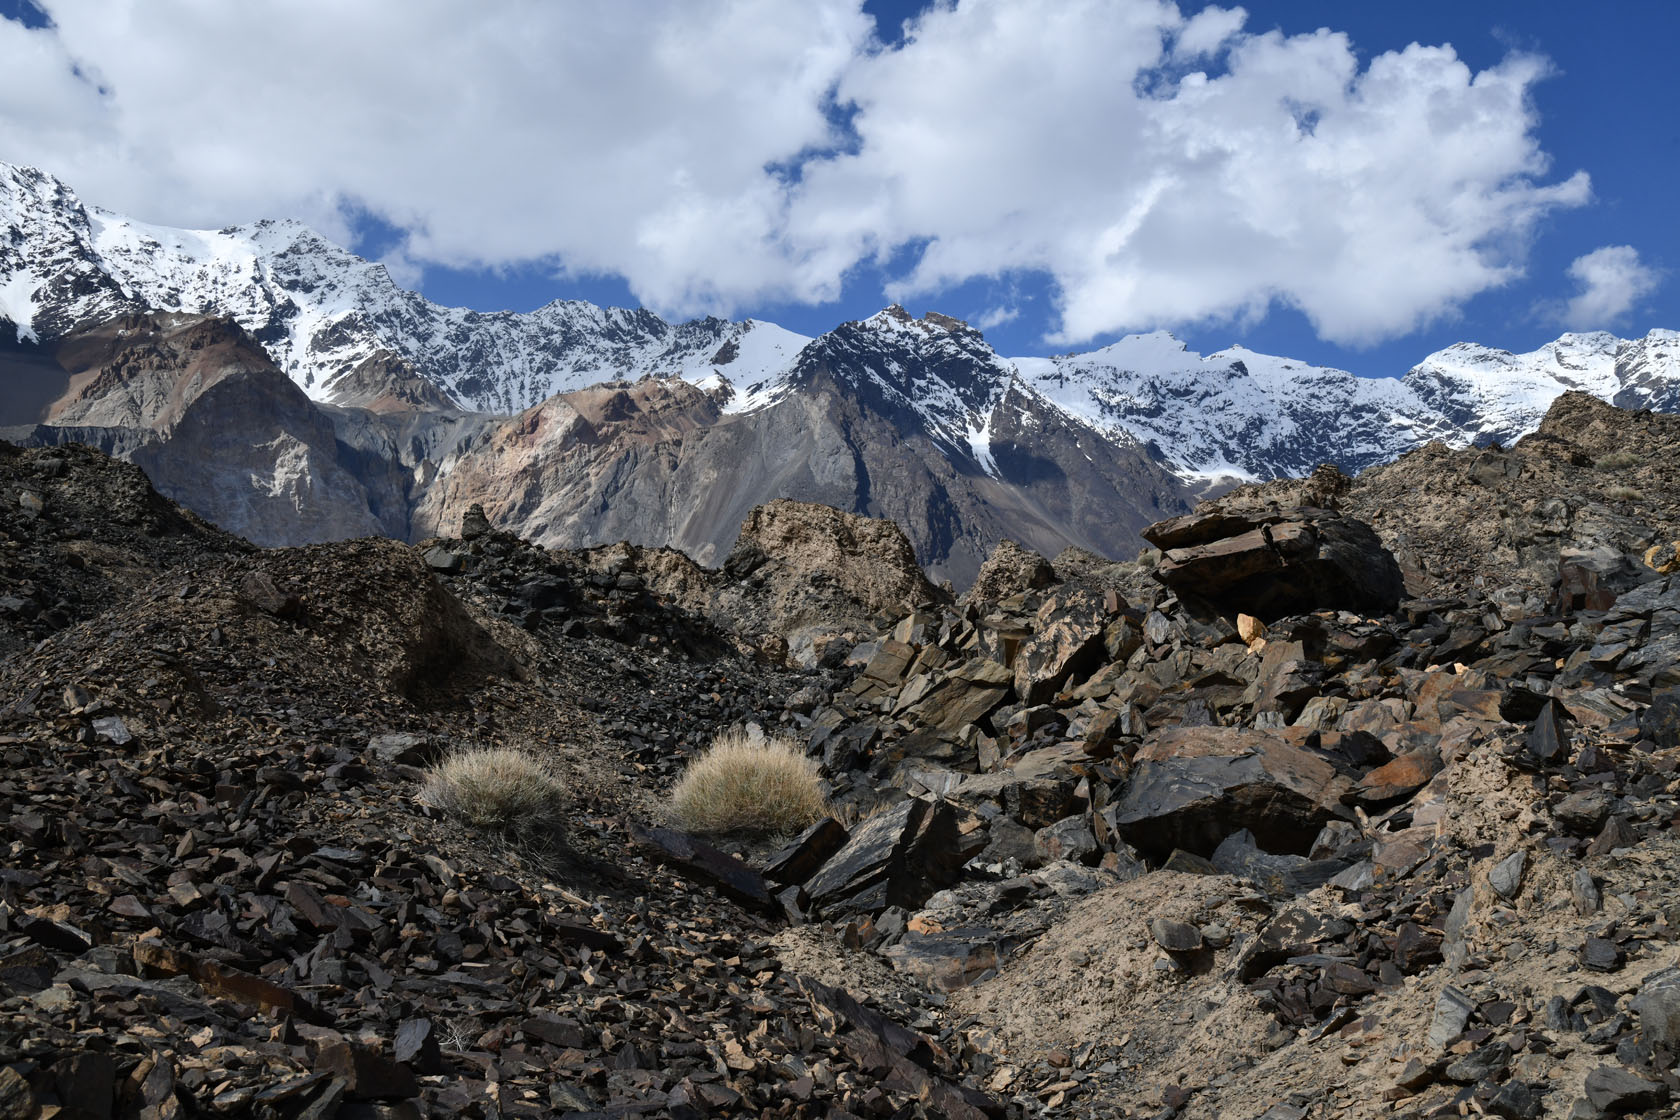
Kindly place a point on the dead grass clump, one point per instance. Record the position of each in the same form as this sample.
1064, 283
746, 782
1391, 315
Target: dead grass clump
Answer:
1617, 461
1623, 494
496, 788
741, 785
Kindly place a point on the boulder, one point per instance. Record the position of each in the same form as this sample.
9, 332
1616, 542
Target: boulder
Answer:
1193, 787
1270, 564
1009, 570
897, 858
1067, 639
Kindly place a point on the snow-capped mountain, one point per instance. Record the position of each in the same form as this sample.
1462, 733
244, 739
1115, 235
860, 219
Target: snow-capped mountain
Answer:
915, 419
1241, 414
322, 312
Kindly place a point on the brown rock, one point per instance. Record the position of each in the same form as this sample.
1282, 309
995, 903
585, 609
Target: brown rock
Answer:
1404, 775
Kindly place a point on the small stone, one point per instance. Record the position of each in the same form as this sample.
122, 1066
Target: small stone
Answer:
1455, 948
1516, 1100
1660, 722
1584, 813
366, 1074
17, 1099
112, 729
1175, 937
1452, 1014
1658, 1008
441, 559
1584, 892
416, 1046
1481, 1063
474, 523
1602, 955
1548, 741
1617, 833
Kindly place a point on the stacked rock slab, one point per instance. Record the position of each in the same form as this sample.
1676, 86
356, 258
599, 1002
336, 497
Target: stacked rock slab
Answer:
1275, 563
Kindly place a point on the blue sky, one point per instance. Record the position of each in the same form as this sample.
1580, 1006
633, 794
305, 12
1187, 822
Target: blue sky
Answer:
1060, 174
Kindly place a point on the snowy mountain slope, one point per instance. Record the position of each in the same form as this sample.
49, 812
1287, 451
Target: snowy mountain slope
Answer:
1496, 396
1241, 414
322, 312
934, 374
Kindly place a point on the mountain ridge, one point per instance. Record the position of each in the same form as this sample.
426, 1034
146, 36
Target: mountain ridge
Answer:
576, 425
322, 312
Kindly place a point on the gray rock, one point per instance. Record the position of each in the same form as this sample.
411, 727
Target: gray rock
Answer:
1070, 839
441, 559
1175, 937
1278, 875
1516, 1100
1270, 564
1193, 787
1584, 813
1602, 955
898, 858
1548, 741
1455, 947
1612, 1089
113, 730
1452, 1013
1506, 878
1658, 1006
1480, 1063
1584, 893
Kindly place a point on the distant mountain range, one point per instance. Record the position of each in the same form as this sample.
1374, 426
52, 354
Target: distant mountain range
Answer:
292, 391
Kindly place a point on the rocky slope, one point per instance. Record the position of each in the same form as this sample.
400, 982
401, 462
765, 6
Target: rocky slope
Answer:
1103, 843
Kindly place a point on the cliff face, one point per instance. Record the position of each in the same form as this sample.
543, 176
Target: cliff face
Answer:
199, 405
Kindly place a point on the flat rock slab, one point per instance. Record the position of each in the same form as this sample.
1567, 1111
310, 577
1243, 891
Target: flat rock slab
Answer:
731, 876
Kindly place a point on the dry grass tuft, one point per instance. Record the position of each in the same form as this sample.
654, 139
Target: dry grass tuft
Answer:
496, 788
1618, 461
1623, 494
737, 785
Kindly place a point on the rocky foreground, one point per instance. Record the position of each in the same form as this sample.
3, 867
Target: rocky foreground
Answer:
1355, 797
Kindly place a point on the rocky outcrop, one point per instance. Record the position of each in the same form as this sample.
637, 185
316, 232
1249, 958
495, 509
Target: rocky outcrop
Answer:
1595, 480
1275, 563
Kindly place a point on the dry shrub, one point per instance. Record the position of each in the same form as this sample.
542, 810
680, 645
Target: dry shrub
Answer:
1617, 461
739, 785
1623, 494
497, 788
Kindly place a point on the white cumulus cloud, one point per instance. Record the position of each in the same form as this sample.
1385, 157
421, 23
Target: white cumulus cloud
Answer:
1160, 168
1611, 281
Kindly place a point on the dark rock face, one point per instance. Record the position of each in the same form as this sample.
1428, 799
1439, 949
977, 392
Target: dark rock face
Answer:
1194, 787
1270, 565
896, 859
